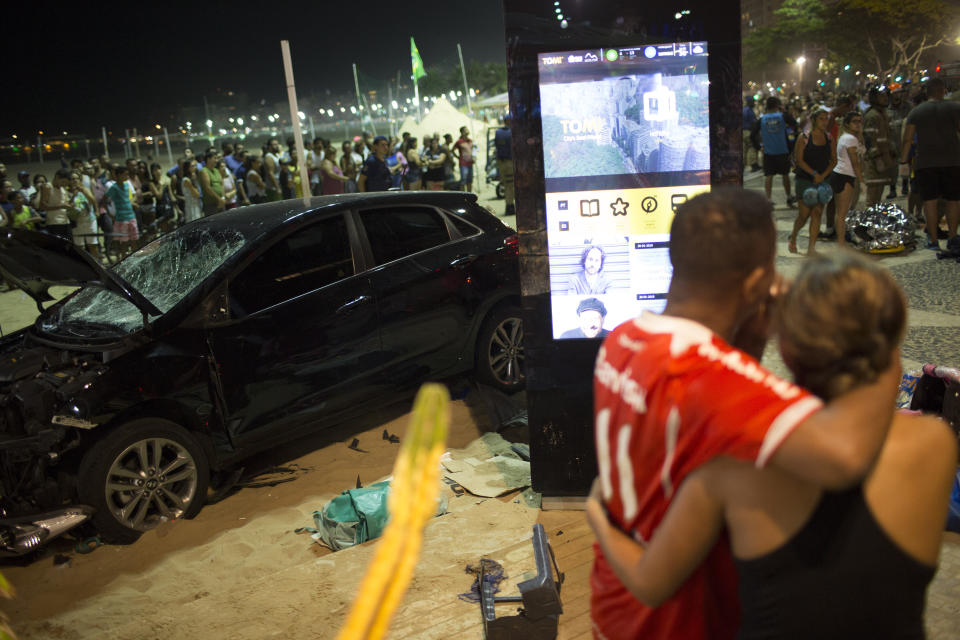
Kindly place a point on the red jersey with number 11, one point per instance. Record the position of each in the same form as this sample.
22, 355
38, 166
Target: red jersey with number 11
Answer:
670, 395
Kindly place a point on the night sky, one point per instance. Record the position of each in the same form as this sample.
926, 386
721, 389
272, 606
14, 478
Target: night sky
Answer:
73, 67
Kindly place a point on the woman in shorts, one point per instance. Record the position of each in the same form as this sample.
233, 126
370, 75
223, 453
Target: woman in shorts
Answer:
850, 150
816, 156
812, 564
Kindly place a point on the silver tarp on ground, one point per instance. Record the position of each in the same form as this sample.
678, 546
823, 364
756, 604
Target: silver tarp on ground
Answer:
880, 228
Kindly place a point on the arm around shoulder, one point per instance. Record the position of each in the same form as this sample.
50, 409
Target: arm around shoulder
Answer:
836, 446
680, 544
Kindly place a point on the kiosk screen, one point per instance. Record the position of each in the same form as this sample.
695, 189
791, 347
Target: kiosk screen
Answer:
626, 140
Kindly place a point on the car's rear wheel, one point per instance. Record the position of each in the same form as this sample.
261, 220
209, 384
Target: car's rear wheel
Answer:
500, 350
143, 472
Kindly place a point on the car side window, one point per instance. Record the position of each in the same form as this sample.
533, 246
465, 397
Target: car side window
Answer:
302, 262
398, 232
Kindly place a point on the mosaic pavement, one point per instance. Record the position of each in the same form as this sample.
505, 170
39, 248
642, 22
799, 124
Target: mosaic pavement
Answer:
933, 292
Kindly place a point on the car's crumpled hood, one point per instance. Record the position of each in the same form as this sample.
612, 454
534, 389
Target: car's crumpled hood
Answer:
35, 261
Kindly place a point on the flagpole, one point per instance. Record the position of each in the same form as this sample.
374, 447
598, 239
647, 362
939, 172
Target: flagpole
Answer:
463, 70
390, 108
416, 98
295, 119
356, 86
166, 136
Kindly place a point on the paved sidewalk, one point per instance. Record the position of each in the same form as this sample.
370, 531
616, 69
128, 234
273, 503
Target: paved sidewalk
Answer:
933, 335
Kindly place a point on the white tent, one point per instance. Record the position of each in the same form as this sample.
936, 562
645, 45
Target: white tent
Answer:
499, 100
445, 118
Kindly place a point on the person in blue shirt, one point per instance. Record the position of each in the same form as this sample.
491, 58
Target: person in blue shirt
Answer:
772, 129
375, 174
233, 159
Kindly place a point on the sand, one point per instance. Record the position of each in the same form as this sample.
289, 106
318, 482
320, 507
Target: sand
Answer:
238, 570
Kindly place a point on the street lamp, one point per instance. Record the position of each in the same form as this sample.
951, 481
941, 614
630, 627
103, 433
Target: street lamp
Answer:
800, 62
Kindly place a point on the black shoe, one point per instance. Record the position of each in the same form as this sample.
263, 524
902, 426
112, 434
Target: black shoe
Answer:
755, 167
829, 234
791, 201
892, 194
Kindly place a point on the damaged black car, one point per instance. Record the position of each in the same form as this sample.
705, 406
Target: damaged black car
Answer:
231, 335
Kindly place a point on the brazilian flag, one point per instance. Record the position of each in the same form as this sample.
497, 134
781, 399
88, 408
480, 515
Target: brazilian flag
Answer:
415, 61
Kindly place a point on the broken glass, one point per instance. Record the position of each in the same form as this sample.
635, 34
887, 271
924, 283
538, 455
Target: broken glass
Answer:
164, 272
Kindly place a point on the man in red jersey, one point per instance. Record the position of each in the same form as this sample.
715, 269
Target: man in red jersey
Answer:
672, 391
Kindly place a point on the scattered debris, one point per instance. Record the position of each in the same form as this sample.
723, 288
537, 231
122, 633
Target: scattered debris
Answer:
274, 476
359, 485
390, 437
493, 574
89, 545
355, 445
522, 450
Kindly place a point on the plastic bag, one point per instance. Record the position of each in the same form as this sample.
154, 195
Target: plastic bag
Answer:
355, 516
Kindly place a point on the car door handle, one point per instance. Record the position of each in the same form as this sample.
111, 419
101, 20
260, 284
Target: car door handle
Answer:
462, 261
356, 302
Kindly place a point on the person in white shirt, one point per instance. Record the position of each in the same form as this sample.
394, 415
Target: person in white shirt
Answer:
850, 150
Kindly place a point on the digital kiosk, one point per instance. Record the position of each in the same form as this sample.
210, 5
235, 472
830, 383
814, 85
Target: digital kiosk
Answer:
621, 112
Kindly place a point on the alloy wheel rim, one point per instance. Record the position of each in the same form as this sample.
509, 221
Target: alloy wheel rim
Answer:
506, 352
151, 480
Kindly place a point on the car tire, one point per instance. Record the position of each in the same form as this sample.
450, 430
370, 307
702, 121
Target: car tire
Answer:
501, 190
499, 359
164, 467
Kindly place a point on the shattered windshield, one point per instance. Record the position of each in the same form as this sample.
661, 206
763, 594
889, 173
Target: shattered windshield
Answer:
164, 272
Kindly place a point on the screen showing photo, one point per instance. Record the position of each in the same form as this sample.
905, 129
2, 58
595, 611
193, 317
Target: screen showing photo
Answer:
626, 141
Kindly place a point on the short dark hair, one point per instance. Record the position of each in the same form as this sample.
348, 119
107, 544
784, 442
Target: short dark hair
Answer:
773, 102
64, 173
722, 236
379, 138
586, 252
937, 84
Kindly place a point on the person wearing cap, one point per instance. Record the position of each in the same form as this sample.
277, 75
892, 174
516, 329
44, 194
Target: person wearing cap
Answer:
375, 174
816, 156
590, 313
27, 189
771, 128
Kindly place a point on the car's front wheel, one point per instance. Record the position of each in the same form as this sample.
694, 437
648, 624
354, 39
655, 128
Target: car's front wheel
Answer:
143, 472
500, 350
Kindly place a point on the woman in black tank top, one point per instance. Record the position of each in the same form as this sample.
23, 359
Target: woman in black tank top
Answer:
815, 564
815, 156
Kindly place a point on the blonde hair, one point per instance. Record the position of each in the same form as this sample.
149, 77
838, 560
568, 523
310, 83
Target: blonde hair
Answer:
840, 323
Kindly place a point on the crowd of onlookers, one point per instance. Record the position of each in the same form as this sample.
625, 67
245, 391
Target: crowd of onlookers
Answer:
123, 205
838, 146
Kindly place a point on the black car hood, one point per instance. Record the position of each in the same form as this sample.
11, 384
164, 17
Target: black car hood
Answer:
35, 261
